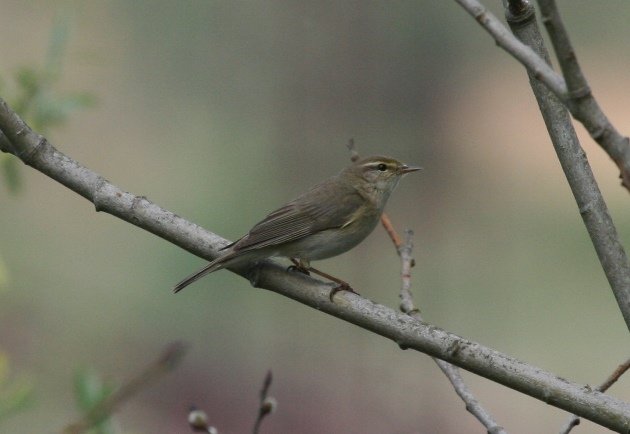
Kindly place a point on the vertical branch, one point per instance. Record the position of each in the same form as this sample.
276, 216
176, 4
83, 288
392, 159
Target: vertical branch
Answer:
581, 101
578, 172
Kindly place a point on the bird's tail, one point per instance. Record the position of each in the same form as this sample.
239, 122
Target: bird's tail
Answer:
215, 265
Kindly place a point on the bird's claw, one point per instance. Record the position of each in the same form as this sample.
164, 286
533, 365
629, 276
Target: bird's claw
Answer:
341, 287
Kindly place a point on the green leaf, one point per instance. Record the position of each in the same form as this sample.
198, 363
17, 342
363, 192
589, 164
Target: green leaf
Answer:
90, 391
28, 79
17, 396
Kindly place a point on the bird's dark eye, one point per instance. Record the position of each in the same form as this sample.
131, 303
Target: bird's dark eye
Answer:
382, 167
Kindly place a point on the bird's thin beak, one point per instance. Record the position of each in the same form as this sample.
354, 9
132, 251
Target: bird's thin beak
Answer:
408, 169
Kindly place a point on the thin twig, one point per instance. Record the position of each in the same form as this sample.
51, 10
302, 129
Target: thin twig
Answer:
389, 228
578, 172
452, 372
582, 103
407, 262
403, 329
267, 403
612, 379
169, 359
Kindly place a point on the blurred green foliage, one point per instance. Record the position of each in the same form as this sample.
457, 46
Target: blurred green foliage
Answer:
16, 393
35, 98
90, 390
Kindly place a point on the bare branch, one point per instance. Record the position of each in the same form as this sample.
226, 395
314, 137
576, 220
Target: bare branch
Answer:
169, 359
574, 92
612, 379
578, 172
406, 331
389, 228
452, 372
576, 82
582, 103
407, 263
521, 52
616, 375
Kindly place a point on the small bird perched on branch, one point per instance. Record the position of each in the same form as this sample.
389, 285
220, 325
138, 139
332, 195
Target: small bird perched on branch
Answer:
328, 220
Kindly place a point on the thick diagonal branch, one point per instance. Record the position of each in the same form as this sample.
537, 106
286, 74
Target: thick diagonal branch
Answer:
402, 329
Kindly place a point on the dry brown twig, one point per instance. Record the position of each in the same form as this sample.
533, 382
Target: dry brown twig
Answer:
573, 420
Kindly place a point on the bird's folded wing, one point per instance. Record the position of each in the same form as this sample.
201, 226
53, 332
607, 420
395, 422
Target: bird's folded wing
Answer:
300, 218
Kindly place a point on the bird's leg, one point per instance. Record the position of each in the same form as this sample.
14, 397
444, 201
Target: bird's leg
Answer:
304, 266
300, 265
342, 285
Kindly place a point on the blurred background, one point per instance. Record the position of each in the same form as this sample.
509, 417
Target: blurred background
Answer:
220, 112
